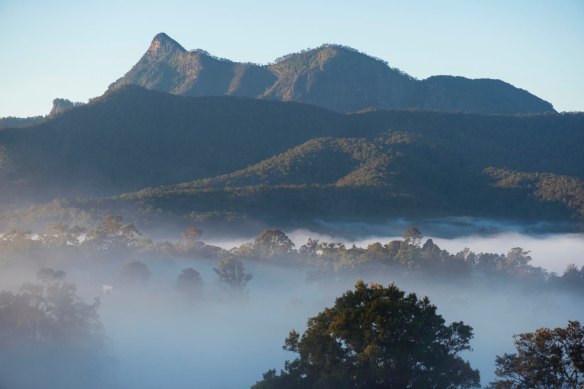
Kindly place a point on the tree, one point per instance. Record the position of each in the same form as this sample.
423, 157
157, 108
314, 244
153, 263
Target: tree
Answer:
48, 335
232, 273
61, 235
413, 236
135, 272
189, 283
191, 235
272, 243
377, 337
112, 233
545, 358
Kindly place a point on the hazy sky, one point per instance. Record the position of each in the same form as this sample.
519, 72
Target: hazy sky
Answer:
75, 49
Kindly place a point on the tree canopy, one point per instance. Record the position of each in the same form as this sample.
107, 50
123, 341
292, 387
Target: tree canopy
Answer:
377, 337
546, 358
48, 334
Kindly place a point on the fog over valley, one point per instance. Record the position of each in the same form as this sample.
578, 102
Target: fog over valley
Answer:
220, 334
324, 219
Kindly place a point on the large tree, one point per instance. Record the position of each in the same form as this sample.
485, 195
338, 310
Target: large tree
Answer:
377, 337
545, 359
49, 337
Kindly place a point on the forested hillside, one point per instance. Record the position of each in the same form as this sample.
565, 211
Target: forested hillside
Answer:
267, 158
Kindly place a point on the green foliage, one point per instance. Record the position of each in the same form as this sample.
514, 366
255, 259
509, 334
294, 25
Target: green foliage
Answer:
377, 337
413, 173
546, 358
269, 244
565, 190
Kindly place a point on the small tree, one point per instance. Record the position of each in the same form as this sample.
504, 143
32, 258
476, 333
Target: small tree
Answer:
413, 236
377, 337
135, 272
232, 274
49, 336
272, 243
545, 358
189, 283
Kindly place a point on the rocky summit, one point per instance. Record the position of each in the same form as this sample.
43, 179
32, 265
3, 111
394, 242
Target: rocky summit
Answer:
331, 76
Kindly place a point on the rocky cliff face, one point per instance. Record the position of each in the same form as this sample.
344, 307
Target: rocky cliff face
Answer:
62, 105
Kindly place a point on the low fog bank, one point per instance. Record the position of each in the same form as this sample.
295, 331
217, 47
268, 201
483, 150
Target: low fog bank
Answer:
553, 252
240, 231
216, 334
444, 227
228, 344
226, 341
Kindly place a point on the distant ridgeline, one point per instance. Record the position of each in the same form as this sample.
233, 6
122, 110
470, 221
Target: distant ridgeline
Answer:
331, 76
275, 161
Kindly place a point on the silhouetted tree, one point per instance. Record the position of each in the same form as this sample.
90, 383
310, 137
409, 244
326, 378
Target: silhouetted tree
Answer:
189, 283
413, 236
545, 358
232, 273
48, 335
134, 273
377, 337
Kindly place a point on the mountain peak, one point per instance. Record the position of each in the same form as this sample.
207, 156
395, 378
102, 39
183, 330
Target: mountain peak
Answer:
331, 76
162, 43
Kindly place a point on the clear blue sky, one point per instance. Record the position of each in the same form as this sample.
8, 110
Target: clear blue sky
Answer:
75, 48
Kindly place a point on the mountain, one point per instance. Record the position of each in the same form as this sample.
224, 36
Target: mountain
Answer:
332, 76
131, 138
260, 158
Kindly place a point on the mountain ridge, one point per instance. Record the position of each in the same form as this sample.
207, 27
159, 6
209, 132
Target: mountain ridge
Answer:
331, 76
230, 154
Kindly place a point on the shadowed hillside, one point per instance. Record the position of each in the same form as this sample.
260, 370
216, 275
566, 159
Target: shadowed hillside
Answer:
273, 159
